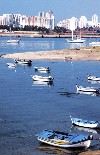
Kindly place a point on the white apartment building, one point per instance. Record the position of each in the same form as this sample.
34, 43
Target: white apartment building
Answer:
16, 20
83, 22
95, 20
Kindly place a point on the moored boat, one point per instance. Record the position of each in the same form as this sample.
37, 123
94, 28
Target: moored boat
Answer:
65, 140
13, 41
45, 69
85, 123
23, 61
11, 65
93, 78
87, 89
42, 78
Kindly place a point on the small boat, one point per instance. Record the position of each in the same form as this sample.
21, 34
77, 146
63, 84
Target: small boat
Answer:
95, 43
88, 93
11, 65
23, 61
87, 89
93, 78
42, 78
42, 69
64, 140
85, 123
78, 40
13, 41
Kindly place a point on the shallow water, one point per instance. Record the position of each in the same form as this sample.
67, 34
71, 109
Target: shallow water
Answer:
26, 107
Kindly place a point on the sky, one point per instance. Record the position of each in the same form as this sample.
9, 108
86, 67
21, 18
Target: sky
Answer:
62, 9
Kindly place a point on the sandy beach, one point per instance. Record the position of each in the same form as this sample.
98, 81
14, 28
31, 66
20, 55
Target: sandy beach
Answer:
87, 53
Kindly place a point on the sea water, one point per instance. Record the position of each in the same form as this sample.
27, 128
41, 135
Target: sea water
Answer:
26, 107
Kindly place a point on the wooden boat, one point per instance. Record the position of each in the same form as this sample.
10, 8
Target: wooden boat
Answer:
42, 69
23, 61
85, 123
11, 65
93, 78
13, 41
65, 140
42, 78
87, 89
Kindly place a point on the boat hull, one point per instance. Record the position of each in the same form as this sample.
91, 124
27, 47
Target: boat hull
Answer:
84, 144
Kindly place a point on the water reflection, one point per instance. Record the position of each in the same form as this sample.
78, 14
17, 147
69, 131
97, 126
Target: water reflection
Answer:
58, 150
88, 93
93, 82
41, 83
95, 131
76, 45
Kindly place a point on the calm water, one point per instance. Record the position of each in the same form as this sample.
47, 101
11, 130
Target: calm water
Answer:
26, 108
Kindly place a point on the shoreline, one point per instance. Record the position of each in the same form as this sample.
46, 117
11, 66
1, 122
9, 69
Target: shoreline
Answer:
82, 54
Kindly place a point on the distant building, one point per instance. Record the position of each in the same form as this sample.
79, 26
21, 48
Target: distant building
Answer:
83, 22
16, 20
95, 20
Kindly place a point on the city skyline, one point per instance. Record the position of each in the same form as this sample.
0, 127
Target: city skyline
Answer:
62, 10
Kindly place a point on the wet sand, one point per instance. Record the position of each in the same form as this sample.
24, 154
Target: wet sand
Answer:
87, 53
90, 153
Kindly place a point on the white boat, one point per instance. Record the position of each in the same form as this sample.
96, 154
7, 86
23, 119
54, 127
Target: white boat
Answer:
12, 40
42, 69
11, 65
93, 78
23, 61
42, 78
95, 43
64, 140
87, 89
78, 40
42, 83
85, 123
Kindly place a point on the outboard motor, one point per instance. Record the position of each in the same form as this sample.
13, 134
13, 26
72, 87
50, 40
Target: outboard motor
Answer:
90, 137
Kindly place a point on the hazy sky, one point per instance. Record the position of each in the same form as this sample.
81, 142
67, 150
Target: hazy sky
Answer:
62, 9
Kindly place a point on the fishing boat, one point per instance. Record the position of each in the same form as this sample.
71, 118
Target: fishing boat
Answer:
64, 140
77, 40
23, 61
87, 89
42, 69
11, 65
85, 123
93, 78
42, 78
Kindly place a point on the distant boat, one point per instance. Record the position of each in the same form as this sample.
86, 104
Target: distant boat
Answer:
87, 89
12, 40
42, 69
93, 78
42, 78
11, 65
78, 40
64, 140
95, 43
23, 61
85, 123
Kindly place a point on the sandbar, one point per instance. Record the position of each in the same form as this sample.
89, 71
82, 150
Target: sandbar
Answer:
85, 53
